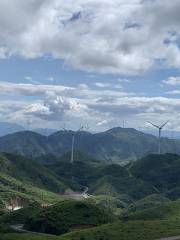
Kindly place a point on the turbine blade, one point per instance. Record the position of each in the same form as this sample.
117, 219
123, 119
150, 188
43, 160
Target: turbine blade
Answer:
154, 125
164, 124
81, 128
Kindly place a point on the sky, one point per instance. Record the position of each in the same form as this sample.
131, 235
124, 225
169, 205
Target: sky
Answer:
92, 63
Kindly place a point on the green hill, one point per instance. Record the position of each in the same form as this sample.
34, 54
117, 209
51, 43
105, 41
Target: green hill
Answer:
25, 179
66, 215
101, 179
133, 230
161, 171
166, 211
150, 201
28, 171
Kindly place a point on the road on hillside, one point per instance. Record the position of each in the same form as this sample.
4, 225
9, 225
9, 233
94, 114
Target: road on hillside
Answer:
170, 238
19, 228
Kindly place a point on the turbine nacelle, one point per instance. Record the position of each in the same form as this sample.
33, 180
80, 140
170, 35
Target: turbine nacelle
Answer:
160, 129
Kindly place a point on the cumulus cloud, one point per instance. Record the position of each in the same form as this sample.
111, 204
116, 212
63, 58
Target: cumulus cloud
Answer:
119, 36
99, 109
172, 81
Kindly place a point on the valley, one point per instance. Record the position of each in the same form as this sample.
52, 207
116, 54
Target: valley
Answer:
48, 197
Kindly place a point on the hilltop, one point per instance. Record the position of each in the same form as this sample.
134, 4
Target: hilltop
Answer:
67, 215
117, 145
9, 128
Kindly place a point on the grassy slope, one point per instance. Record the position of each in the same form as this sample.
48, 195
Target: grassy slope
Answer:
162, 171
25, 179
68, 214
160, 221
26, 236
28, 171
136, 230
27, 192
150, 201
165, 222
166, 211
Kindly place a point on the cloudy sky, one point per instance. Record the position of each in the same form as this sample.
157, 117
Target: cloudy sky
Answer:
90, 62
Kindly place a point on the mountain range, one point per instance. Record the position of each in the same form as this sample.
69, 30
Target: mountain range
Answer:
9, 128
117, 145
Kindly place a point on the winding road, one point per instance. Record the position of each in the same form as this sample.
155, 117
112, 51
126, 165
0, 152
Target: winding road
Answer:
19, 228
170, 238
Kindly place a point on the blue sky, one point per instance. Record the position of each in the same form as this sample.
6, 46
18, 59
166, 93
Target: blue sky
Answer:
65, 63
52, 71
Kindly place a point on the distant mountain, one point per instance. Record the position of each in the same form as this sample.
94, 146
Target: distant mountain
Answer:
9, 128
166, 133
28, 144
117, 145
45, 131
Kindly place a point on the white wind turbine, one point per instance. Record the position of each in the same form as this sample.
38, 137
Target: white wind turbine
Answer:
73, 140
160, 131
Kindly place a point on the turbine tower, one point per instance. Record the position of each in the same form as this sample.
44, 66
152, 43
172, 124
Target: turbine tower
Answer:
73, 140
160, 131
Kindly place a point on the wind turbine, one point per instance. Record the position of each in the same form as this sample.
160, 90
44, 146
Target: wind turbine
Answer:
73, 141
160, 130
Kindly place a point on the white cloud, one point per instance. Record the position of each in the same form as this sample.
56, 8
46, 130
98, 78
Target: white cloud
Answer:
124, 80
51, 79
31, 89
172, 81
59, 104
102, 85
103, 122
121, 37
29, 78
173, 92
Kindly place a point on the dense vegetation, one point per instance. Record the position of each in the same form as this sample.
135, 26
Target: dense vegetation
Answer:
24, 180
66, 215
140, 194
161, 171
136, 230
165, 211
